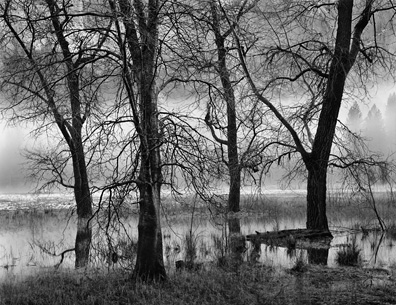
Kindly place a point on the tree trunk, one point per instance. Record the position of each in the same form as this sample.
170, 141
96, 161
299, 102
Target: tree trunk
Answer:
72, 135
84, 208
81, 184
149, 261
317, 162
237, 240
142, 43
232, 132
316, 197
234, 195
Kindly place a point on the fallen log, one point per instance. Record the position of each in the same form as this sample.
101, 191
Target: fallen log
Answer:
296, 238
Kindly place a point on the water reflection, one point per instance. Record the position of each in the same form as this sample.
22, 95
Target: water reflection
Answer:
318, 256
28, 240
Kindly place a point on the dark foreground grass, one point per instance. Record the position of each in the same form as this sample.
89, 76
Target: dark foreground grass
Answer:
246, 285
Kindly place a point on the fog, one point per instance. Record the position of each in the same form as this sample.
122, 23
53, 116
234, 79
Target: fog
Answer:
377, 123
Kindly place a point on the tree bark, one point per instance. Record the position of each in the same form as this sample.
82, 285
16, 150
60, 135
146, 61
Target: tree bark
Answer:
318, 159
234, 169
149, 261
141, 22
83, 199
236, 239
316, 196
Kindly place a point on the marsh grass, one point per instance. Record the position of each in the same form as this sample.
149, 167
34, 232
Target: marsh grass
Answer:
247, 285
299, 265
349, 255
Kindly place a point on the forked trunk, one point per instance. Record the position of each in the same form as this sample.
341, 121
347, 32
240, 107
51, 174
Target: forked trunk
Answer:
142, 42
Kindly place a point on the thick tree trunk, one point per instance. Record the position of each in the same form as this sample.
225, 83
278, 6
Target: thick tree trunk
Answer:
237, 240
316, 197
149, 261
142, 42
84, 206
317, 162
84, 230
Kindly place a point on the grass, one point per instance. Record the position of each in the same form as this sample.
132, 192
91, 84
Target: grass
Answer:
246, 284
349, 255
299, 265
249, 284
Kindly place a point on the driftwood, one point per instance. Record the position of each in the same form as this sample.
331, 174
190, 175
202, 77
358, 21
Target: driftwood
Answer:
297, 238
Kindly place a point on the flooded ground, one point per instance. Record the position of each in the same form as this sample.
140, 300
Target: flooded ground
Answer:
36, 228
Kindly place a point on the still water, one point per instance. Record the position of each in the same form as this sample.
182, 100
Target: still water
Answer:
35, 229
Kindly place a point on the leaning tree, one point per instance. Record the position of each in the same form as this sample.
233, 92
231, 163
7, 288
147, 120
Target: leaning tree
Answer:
314, 52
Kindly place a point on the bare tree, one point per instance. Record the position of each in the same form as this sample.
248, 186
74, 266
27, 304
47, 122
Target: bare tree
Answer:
316, 66
51, 76
205, 61
136, 35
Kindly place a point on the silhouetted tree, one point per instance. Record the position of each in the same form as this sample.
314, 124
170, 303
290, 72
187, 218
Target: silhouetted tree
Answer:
314, 64
205, 61
51, 73
136, 35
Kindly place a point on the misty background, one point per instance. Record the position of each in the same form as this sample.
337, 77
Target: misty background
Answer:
373, 117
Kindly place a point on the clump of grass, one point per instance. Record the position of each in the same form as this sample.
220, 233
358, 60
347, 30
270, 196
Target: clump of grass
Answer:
349, 255
219, 247
190, 255
299, 265
191, 246
222, 252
